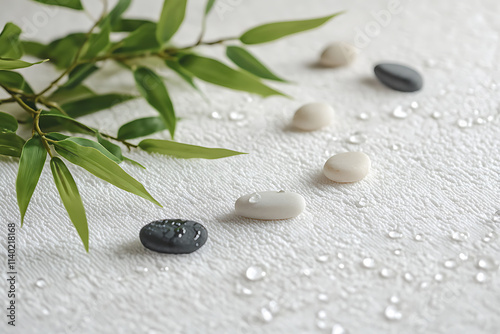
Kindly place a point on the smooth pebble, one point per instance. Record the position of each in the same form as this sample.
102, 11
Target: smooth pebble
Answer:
338, 54
173, 236
347, 167
313, 116
271, 205
399, 77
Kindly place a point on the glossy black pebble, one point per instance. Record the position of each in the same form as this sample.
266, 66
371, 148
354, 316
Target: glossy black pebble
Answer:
399, 77
173, 236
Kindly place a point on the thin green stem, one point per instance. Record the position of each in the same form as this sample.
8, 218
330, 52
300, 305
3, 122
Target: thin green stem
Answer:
124, 142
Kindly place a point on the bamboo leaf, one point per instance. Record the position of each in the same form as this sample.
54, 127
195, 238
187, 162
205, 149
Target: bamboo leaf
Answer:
68, 191
52, 120
93, 104
142, 39
12, 64
128, 25
98, 42
73, 4
8, 123
184, 151
245, 60
10, 47
272, 31
154, 91
101, 166
86, 143
114, 149
188, 77
141, 127
170, 20
79, 74
62, 51
208, 8
36, 49
66, 94
15, 80
217, 73
11, 144
30, 167
116, 13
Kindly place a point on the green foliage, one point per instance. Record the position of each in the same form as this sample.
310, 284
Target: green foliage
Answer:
131, 43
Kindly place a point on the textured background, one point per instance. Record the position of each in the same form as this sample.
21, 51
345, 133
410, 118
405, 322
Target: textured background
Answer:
430, 177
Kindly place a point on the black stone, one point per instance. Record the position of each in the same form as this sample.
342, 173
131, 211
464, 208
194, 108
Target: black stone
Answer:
173, 236
399, 77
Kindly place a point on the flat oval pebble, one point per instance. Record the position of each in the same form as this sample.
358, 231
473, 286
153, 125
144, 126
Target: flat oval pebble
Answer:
347, 167
399, 77
338, 54
173, 236
313, 116
270, 205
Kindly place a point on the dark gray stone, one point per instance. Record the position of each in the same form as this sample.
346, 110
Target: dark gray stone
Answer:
173, 236
399, 77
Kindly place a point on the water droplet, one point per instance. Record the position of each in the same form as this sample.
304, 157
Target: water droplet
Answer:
255, 273
450, 264
322, 297
489, 237
273, 306
481, 277
437, 115
40, 283
338, 329
241, 290
496, 217
340, 255
363, 116
399, 112
362, 202
459, 236
322, 258
414, 105
462, 123
237, 116
341, 266
357, 138
487, 263
408, 277
215, 115
395, 147
480, 121
419, 237
368, 263
439, 277
141, 269
387, 273
394, 299
443, 92
307, 271
424, 285
395, 234
255, 198
398, 252
282, 191
392, 313
266, 315
45, 311
321, 324
463, 256
430, 63
321, 314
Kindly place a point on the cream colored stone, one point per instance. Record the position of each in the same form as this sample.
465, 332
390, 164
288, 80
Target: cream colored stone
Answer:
313, 116
338, 54
270, 205
347, 167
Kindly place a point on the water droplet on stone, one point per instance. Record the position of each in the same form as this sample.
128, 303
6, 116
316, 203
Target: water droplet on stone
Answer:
255, 198
322, 258
255, 273
363, 116
487, 263
414, 105
40, 283
462, 123
321, 314
450, 264
394, 299
237, 116
463, 256
399, 112
362, 202
392, 313
387, 273
322, 297
266, 315
215, 115
368, 263
338, 329
437, 115
398, 252
481, 277
408, 277
460, 236
439, 277
395, 234
357, 138
282, 191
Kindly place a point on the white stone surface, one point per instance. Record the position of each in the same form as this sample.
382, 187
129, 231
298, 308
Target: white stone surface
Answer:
313, 116
347, 167
338, 54
270, 205
430, 177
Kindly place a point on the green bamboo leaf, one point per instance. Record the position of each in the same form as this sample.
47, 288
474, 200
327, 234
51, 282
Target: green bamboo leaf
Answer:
184, 151
36, 49
133, 162
85, 142
128, 25
66, 94
154, 91
101, 166
15, 80
11, 144
8, 123
68, 191
208, 8
142, 39
272, 31
62, 51
12, 64
73, 4
10, 47
79, 74
170, 20
188, 77
98, 42
245, 60
217, 73
141, 127
115, 14
93, 104
114, 149
30, 167
52, 120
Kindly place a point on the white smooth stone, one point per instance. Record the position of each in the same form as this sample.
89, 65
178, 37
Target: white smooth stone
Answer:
313, 116
347, 167
271, 205
338, 54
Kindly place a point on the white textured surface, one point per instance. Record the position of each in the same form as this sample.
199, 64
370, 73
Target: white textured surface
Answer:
442, 179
